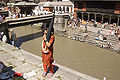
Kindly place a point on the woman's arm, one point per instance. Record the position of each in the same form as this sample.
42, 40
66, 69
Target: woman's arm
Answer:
50, 42
44, 49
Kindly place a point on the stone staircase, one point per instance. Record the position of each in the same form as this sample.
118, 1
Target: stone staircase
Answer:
90, 38
114, 41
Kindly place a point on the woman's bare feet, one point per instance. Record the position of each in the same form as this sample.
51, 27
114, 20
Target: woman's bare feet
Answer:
44, 74
50, 75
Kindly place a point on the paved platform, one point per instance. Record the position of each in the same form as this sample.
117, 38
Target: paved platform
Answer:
25, 62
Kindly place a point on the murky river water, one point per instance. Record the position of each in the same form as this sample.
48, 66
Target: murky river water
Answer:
79, 56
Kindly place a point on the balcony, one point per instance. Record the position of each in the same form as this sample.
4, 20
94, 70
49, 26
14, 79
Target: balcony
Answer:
100, 10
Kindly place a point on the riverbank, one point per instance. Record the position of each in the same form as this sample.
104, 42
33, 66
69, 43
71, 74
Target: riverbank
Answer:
76, 55
79, 34
25, 62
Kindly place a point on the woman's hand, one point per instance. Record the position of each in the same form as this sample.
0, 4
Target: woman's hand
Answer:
45, 37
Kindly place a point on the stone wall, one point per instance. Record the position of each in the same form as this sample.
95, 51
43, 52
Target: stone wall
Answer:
60, 23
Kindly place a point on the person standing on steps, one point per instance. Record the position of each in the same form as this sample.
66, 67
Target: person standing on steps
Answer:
13, 38
47, 48
47, 53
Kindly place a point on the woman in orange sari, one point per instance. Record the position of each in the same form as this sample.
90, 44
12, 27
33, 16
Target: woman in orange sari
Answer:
47, 54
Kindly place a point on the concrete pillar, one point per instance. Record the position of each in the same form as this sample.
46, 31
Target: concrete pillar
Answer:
41, 8
61, 9
82, 16
95, 17
58, 8
110, 19
69, 9
75, 15
88, 16
65, 9
65, 20
25, 14
73, 8
118, 21
55, 9
102, 18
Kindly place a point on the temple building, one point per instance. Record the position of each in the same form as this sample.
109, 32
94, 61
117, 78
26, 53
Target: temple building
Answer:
35, 1
59, 6
98, 10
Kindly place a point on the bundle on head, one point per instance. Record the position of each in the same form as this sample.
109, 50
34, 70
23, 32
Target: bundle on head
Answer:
50, 29
43, 27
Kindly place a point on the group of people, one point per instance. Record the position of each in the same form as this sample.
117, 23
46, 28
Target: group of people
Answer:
12, 37
75, 23
101, 37
16, 15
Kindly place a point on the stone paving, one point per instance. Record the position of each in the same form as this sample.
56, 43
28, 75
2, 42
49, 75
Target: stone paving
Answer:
25, 62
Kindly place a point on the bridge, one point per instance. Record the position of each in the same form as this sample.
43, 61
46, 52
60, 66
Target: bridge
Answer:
28, 20
59, 23
4, 26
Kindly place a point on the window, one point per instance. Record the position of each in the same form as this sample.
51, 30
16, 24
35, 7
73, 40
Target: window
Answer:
80, 5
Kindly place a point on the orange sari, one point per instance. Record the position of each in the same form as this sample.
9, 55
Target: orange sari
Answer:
47, 58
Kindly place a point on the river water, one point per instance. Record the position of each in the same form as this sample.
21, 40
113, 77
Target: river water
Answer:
82, 57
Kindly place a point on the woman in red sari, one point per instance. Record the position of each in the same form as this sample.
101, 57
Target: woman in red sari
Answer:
47, 54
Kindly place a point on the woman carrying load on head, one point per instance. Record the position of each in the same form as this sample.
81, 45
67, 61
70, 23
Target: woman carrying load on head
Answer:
47, 51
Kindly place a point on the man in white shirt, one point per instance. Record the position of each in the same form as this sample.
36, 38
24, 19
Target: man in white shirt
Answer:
4, 39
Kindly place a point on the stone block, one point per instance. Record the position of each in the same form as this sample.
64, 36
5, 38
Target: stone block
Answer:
82, 79
15, 62
32, 60
32, 78
37, 70
70, 76
5, 63
4, 56
24, 68
18, 55
39, 75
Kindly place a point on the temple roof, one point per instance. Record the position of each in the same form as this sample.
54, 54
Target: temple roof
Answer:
25, 4
51, 4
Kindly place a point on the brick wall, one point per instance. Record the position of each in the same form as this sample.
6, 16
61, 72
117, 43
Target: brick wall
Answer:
76, 8
117, 8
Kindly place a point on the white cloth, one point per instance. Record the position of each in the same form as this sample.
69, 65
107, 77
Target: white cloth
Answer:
100, 37
4, 39
29, 74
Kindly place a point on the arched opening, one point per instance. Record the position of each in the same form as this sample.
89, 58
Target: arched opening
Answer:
57, 8
67, 9
113, 19
98, 17
60, 9
79, 15
64, 9
85, 16
92, 16
106, 18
